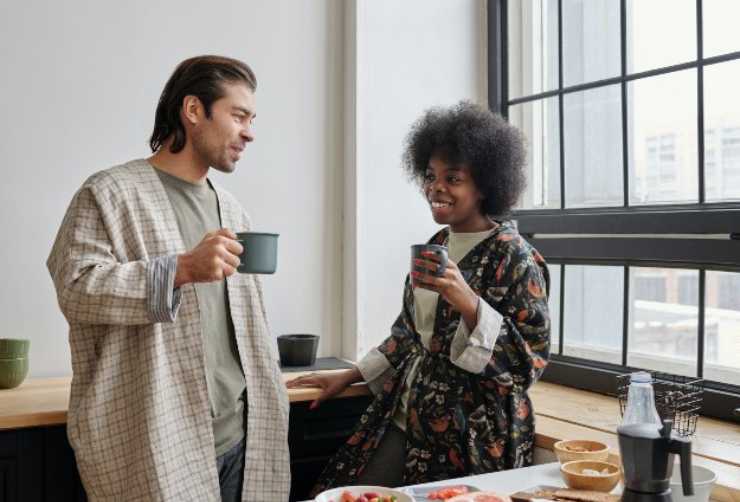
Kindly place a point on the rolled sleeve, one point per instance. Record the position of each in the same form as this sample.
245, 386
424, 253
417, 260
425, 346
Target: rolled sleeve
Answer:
472, 351
375, 370
163, 299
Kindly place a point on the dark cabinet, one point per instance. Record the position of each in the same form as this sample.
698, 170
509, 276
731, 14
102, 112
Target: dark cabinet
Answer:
7, 479
315, 435
37, 464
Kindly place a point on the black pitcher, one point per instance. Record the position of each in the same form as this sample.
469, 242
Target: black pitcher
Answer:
648, 463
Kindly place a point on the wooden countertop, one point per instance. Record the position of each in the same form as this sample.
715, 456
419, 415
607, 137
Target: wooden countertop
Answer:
44, 401
309, 394
562, 413
38, 401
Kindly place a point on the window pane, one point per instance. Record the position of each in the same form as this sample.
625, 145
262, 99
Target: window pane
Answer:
720, 27
554, 304
722, 131
538, 120
652, 42
593, 148
663, 317
722, 327
593, 312
663, 138
590, 40
532, 46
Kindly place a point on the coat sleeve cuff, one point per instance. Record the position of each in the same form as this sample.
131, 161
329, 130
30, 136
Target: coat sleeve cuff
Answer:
473, 351
375, 370
163, 300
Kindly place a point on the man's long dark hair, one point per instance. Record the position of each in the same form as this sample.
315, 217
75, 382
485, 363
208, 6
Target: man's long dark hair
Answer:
202, 77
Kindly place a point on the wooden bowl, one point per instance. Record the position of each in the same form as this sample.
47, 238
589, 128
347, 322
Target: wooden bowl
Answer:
575, 449
574, 477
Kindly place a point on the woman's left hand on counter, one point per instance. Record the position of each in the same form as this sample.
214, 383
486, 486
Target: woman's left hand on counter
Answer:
331, 384
451, 286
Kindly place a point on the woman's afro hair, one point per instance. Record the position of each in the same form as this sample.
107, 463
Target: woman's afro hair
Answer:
474, 136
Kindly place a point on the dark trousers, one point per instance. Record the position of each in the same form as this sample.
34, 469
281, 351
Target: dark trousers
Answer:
231, 472
386, 466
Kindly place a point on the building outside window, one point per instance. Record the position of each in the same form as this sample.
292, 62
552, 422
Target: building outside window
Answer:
633, 129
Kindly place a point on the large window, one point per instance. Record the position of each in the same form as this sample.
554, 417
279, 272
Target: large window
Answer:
632, 119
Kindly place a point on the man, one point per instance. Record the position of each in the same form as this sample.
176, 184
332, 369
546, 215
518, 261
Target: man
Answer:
176, 393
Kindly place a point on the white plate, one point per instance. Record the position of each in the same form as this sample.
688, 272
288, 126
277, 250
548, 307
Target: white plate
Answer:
334, 494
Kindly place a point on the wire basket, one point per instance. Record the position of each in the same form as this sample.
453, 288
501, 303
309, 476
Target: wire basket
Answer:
677, 398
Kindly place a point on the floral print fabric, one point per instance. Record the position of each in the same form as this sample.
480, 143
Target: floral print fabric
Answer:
461, 423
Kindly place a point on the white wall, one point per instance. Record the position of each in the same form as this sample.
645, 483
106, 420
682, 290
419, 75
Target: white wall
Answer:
339, 85
80, 84
410, 55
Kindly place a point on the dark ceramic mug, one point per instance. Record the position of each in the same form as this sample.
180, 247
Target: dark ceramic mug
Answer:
260, 252
297, 350
440, 251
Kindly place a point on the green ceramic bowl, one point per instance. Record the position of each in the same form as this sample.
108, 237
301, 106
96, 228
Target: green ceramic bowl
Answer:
13, 372
13, 348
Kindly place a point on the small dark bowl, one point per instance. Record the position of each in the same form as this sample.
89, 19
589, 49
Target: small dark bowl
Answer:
297, 350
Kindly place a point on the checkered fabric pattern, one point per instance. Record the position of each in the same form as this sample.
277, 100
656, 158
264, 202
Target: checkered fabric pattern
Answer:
139, 419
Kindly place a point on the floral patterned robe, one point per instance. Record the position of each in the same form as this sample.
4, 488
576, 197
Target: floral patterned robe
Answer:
460, 423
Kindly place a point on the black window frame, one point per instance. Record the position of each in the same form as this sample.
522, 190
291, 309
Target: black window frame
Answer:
612, 230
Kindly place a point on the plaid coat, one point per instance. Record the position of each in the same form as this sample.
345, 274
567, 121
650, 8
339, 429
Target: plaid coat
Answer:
139, 418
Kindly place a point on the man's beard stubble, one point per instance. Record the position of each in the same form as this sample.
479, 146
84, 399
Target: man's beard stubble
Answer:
210, 155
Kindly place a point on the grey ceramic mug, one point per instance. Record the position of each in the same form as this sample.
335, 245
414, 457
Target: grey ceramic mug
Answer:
440, 251
260, 252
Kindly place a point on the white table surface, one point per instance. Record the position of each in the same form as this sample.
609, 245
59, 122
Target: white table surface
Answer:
514, 480
508, 482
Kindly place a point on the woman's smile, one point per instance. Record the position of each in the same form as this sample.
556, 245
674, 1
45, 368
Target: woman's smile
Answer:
441, 208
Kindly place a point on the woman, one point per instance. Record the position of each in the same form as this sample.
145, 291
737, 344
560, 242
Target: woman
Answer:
450, 382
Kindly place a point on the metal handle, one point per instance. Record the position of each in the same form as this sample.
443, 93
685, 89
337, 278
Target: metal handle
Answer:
682, 447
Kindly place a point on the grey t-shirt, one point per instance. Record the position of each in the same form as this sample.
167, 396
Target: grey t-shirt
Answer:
196, 210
